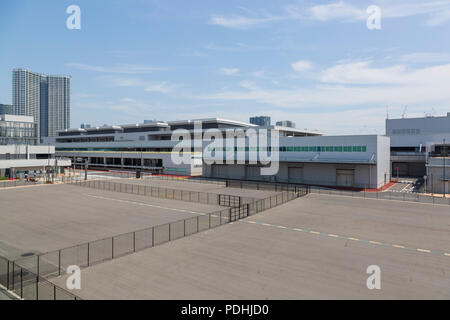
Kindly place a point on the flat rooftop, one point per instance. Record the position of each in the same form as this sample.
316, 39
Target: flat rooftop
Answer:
315, 247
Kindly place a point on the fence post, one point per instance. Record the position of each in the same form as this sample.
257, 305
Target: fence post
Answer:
134, 241
112, 247
37, 287
88, 249
59, 262
153, 236
7, 274
197, 224
38, 265
169, 231
12, 278
21, 282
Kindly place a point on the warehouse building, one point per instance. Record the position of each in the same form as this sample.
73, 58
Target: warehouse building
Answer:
409, 140
345, 161
16, 160
146, 146
437, 179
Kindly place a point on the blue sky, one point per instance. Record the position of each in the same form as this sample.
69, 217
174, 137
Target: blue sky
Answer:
314, 62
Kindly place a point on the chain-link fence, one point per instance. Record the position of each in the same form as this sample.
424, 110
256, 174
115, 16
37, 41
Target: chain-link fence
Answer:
28, 285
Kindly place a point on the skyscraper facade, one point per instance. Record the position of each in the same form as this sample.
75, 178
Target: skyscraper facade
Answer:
48, 99
260, 121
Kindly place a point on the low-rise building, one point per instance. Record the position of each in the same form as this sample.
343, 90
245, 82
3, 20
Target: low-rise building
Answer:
16, 130
145, 146
344, 161
438, 168
18, 159
409, 139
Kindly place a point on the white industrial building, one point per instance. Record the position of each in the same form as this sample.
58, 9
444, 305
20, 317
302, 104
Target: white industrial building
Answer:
345, 161
144, 146
15, 159
409, 140
437, 179
304, 156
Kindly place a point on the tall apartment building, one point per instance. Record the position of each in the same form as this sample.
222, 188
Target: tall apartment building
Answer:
263, 121
47, 98
6, 108
286, 123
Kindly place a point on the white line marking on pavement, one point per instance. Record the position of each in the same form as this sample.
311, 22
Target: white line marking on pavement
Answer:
144, 204
331, 235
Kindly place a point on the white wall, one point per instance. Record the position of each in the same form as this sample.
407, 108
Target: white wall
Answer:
432, 129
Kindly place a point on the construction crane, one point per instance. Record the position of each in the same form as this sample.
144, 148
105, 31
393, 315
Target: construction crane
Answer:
404, 112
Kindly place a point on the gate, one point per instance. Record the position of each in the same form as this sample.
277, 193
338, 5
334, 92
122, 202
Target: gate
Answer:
227, 200
239, 212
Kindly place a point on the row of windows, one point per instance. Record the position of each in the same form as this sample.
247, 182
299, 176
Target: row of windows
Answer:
299, 149
405, 131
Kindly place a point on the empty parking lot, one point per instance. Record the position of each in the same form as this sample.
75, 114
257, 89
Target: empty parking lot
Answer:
49, 217
316, 247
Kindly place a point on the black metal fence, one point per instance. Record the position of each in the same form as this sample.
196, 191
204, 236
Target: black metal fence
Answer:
228, 200
18, 183
156, 192
87, 254
385, 195
28, 285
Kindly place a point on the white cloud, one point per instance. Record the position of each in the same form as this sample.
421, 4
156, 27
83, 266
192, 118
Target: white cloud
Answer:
425, 57
229, 71
438, 19
354, 85
118, 68
437, 13
237, 21
338, 10
149, 86
162, 87
301, 65
362, 73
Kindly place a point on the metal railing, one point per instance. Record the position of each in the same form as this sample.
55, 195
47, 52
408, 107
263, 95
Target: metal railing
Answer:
384, 195
156, 192
18, 183
54, 263
28, 285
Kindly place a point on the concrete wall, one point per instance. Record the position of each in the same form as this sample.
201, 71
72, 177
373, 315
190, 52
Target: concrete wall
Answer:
371, 164
365, 176
383, 168
421, 130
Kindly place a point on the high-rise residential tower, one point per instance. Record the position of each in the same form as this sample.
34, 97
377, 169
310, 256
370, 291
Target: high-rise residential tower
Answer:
48, 99
260, 121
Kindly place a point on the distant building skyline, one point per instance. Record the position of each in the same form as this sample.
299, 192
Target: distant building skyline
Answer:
6, 108
286, 123
47, 98
260, 120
